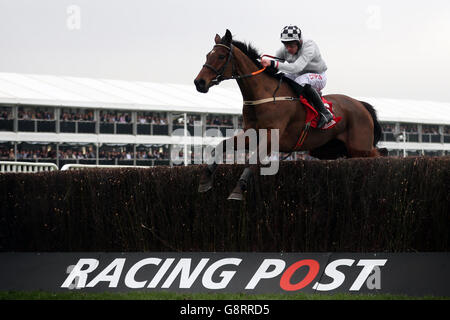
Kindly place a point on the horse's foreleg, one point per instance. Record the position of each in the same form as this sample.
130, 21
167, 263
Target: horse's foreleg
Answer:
242, 185
207, 176
253, 169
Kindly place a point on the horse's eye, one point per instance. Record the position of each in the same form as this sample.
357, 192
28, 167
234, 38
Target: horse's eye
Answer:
221, 57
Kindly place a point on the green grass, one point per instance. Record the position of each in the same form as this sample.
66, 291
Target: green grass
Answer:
39, 295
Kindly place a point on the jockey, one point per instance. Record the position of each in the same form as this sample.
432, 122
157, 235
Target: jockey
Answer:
303, 64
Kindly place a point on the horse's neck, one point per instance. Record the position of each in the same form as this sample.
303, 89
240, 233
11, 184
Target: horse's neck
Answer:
263, 86
255, 87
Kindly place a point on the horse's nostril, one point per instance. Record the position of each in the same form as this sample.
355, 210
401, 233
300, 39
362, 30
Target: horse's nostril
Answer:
200, 84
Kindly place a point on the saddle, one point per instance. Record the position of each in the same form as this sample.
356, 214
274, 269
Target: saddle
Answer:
312, 116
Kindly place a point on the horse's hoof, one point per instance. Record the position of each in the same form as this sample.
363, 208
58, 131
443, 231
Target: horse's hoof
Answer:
236, 196
205, 187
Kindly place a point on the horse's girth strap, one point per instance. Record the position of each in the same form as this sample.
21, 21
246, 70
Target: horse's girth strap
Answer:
273, 99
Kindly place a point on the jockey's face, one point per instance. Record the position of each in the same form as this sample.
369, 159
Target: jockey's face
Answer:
291, 47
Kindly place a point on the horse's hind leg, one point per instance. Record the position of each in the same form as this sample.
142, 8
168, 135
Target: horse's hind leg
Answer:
360, 144
354, 153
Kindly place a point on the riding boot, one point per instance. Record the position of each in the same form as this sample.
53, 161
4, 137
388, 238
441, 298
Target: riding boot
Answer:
314, 98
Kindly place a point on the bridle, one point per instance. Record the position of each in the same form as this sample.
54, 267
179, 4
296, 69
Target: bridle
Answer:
220, 77
234, 76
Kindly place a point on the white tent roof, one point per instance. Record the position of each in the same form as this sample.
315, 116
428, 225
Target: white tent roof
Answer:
415, 111
114, 94
136, 95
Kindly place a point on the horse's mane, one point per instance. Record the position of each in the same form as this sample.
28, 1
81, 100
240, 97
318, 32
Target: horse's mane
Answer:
249, 51
253, 54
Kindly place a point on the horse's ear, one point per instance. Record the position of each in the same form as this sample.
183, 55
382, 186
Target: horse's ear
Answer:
217, 39
227, 38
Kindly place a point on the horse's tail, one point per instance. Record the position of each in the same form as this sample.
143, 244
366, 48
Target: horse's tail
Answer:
376, 125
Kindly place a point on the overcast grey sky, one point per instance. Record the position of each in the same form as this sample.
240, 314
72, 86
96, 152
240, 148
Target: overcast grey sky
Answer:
375, 48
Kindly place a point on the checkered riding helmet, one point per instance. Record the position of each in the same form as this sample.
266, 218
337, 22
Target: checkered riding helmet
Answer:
291, 33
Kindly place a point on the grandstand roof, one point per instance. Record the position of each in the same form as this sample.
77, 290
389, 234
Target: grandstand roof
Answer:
137, 95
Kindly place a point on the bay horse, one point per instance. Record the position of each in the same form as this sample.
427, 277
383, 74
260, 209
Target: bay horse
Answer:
356, 135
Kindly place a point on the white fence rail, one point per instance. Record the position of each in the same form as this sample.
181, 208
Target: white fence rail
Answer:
90, 166
31, 167
28, 167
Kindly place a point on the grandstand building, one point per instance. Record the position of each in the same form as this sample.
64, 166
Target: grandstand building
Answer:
68, 120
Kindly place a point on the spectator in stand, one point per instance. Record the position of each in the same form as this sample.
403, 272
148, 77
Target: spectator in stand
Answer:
115, 117
35, 114
6, 154
74, 115
5, 115
430, 129
387, 127
410, 128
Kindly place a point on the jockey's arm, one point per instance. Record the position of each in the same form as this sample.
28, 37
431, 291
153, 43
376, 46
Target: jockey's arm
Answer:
308, 53
281, 53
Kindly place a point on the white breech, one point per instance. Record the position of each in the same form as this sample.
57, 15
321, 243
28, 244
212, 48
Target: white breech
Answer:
317, 81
